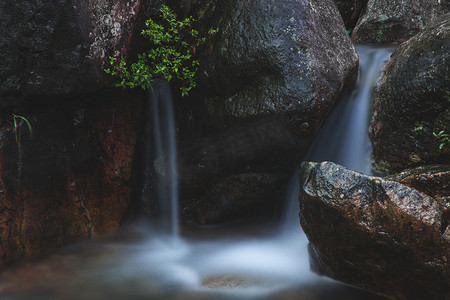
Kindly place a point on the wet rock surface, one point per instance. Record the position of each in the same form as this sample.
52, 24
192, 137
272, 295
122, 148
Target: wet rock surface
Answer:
393, 22
59, 47
267, 81
412, 102
377, 234
71, 179
274, 57
433, 180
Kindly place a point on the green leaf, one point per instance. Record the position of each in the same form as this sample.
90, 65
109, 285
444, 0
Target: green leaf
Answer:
169, 56
16, 125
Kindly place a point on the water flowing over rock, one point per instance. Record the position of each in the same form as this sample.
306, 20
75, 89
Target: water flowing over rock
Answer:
71, 179
267, 81
395, 21
412, 102
377, 234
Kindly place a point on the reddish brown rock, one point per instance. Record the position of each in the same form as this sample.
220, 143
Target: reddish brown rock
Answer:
377, 234
69, 181
433, 180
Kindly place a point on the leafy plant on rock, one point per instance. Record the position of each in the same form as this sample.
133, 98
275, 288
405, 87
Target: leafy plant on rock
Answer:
443, 137
171, 55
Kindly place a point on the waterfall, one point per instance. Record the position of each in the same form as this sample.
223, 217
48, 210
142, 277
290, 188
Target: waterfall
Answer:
164, 156
263, 263
343, 138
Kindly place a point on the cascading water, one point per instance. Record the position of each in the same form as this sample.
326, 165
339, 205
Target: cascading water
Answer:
164, 156
270, 267
343, 138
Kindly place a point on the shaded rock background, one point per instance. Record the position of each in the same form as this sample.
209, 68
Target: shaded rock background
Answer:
268, 79
350, 11
72, 179
377, 234
395, 21
413, 101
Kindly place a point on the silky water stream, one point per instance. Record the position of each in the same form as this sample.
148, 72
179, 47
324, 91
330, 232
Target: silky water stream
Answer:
142, 262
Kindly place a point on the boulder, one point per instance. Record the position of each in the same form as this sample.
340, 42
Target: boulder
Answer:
413, 101
267, 81
376, 234
395, 21
59, 47
71, 179
350, 11
272, 57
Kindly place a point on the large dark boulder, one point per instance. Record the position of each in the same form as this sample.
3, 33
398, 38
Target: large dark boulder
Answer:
413, 101
72, 179
59, 47
395, 21
377, 234
273, 57
267, 81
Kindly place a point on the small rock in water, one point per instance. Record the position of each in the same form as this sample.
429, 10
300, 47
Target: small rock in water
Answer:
229, 281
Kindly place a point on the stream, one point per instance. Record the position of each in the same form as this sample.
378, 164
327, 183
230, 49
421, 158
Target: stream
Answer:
143, 262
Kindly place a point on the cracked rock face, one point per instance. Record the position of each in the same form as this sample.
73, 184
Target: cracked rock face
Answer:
377, 234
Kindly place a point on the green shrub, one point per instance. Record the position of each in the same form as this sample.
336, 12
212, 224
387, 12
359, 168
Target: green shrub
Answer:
171, 55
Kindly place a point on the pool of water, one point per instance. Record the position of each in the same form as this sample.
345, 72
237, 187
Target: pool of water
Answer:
207, 264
